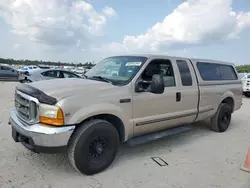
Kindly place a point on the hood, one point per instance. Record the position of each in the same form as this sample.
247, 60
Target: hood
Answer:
60, 88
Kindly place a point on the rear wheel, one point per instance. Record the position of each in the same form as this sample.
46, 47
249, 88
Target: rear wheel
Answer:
93, 146
221, 120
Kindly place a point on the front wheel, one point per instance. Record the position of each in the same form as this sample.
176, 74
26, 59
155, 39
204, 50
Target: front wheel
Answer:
93, 146
221, 120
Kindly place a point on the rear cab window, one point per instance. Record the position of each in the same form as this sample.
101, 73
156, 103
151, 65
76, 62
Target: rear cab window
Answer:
213, 71
186, 78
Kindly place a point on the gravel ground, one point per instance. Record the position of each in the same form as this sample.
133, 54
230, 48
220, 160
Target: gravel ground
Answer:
198, 158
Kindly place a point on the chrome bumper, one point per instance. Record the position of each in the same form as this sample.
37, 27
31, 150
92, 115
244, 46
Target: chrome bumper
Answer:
39, 134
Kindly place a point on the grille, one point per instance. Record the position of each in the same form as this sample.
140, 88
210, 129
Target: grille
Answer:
26, 107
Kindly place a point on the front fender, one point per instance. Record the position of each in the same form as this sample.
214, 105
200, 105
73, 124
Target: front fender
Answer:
103, 108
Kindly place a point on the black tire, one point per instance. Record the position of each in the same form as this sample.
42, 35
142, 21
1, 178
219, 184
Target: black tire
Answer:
93, 146
221, 120
247, 94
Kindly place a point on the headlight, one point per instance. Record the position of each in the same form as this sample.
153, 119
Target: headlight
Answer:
52, 115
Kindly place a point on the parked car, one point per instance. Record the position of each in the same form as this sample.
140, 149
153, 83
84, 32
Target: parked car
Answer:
246, 85
241, 75
149, 94
47, 74
44, 66
9, 73
79, 71
27, 69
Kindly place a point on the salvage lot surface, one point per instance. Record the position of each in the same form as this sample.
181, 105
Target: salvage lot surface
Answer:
199, 158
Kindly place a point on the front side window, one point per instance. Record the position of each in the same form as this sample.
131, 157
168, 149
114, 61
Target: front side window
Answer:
119, 70
162, 67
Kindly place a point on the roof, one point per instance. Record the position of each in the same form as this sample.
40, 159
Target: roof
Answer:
175, 57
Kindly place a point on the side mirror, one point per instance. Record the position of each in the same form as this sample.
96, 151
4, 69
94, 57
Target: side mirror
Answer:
157, 85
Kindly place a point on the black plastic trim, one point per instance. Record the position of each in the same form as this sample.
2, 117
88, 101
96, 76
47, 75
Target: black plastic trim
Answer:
172, 117
36, 93
49, 150
125, 100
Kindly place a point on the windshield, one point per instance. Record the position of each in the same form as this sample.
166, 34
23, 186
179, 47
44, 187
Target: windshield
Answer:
119, 69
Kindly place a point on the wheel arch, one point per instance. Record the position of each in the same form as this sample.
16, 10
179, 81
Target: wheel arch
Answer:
230, 101
113, 119
228, 98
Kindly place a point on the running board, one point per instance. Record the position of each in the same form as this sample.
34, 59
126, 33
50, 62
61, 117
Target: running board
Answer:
157, 135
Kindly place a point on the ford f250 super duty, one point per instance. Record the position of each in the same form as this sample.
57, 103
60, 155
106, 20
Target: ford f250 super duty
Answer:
122, 98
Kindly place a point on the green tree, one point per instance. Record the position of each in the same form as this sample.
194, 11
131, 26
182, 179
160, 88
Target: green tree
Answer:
243, 68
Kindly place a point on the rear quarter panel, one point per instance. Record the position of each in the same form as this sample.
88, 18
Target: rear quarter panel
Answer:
212, 93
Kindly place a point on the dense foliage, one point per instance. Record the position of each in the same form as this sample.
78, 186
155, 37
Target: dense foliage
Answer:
35, 62
243, 68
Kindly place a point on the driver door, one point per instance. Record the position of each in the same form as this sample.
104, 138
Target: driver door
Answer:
155, 112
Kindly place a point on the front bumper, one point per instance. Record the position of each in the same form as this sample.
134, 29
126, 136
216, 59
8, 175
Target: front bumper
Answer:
39, 137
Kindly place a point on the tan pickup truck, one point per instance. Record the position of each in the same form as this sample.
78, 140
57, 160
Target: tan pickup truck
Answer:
122, 98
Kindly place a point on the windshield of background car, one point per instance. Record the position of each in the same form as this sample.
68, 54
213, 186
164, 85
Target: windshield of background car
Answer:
120, 70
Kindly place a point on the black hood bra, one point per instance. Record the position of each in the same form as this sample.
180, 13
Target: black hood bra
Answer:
36, 93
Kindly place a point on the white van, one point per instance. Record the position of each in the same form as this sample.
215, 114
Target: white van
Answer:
246, 85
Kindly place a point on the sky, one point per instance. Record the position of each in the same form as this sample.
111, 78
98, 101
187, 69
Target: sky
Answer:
89, 30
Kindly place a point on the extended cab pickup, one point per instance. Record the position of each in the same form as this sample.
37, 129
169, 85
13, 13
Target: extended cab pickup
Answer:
122, 98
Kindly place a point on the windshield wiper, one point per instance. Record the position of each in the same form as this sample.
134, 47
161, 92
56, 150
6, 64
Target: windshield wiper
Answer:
101, 78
